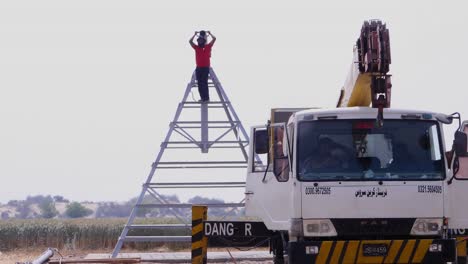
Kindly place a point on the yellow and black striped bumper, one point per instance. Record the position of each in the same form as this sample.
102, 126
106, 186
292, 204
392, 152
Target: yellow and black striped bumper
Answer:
461, 250
351, 252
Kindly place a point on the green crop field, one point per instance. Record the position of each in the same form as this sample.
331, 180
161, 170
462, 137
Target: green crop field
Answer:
78, 233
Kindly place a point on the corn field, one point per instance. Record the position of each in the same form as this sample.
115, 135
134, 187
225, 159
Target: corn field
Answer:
78, 233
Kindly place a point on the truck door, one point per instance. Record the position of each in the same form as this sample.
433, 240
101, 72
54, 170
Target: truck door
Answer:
458, 189
268, 184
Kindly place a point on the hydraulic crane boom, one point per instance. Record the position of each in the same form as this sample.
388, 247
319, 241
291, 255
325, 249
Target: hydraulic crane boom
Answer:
368, 81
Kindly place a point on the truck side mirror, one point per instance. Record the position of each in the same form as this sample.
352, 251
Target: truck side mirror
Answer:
261, 141
460, 143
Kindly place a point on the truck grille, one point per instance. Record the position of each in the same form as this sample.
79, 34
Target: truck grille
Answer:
373, 227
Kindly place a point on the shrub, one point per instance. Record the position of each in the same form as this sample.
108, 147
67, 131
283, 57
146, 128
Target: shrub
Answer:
76, 210
47, 207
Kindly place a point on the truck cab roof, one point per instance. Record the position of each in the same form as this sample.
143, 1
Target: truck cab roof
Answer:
364, 113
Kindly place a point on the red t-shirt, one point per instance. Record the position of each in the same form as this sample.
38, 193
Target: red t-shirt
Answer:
203, 55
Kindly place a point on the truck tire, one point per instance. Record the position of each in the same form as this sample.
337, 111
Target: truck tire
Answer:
279, 260
278, 250
461, 260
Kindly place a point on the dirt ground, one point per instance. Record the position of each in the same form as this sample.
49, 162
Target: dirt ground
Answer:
24, 255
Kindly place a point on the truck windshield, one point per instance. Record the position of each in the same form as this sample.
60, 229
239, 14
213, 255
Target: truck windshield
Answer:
357, 150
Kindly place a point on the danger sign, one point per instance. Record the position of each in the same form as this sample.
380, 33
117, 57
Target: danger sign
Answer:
235, 229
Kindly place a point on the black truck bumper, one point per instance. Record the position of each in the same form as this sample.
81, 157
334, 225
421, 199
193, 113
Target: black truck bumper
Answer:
425, 251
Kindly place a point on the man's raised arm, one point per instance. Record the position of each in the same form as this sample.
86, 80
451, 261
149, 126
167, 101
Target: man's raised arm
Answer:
191, 39
213, 38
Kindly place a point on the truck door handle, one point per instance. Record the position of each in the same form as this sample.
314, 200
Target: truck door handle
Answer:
248, 193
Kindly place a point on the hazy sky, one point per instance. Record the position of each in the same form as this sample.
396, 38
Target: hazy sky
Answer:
88, 87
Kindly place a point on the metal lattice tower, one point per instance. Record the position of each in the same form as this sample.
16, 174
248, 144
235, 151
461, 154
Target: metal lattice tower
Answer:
205, 134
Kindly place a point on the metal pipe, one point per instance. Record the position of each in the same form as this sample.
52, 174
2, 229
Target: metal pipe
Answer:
44, 258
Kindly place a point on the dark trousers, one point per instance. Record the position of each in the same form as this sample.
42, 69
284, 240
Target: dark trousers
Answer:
202, 79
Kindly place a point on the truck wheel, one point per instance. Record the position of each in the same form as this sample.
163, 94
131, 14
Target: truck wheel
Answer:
278, 260
461, 260
278, 251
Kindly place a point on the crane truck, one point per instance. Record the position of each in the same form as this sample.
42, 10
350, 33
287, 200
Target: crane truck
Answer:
359, 183
362, 182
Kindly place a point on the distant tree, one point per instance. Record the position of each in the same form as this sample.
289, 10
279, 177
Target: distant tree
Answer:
38, 199
203, 200
23, 210
47, 207
46, 204
166, 212
218, 212
4, 215
158, 212
14, 203
113, 209
76, 210
60, 199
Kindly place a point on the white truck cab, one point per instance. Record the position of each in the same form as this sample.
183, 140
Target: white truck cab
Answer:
339, 186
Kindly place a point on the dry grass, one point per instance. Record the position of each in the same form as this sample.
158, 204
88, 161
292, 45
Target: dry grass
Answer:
76, 234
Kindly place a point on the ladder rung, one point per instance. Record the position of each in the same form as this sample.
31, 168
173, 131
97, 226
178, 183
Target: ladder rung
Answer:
197, 107
201, 167
201, 162
157, 239
198, 127
198, 186
208, 103
205, 122
194, 183
210, 82
188, 205
159, 226
207, 142
212, 147
210, 85
201, 187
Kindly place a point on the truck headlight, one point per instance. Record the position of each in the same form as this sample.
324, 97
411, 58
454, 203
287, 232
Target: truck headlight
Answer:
427, 226
319, 228
295, 229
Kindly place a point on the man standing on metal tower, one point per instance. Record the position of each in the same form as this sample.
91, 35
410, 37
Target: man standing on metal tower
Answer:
202, 57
